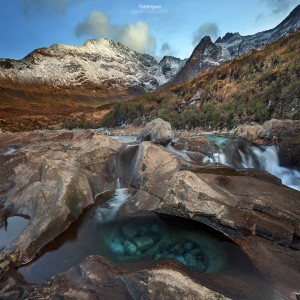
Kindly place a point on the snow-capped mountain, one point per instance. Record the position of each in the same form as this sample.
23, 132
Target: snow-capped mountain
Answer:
208, 54
102, 67
171, 65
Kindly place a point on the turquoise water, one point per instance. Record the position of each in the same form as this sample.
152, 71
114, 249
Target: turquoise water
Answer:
139, 242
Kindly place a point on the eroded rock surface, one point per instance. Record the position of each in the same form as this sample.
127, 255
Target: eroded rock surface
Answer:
96, 276
51, 177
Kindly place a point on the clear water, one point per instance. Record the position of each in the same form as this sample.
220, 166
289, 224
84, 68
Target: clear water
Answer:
139, 242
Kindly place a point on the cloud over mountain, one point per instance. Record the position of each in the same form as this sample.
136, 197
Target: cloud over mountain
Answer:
136, 36
210, 29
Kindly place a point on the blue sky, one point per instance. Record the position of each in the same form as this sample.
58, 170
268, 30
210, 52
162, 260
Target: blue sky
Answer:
161, 27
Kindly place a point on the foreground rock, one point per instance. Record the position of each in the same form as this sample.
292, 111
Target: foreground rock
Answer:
158, 131
97, 276
50, 177
246, 205
284, 133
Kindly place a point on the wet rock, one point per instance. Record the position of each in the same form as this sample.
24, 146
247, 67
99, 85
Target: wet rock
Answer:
97, 276
130, 248
158, 131
13, 287
54, 175
143, 243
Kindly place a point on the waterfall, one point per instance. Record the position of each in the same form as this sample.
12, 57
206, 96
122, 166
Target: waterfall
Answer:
239, 153
108, 213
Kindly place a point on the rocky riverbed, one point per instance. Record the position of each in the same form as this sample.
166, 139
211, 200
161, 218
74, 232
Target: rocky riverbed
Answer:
48, 178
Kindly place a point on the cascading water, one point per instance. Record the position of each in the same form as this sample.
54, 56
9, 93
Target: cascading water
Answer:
108, 213
239, 153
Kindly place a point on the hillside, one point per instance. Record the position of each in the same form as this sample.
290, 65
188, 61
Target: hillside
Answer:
256, 87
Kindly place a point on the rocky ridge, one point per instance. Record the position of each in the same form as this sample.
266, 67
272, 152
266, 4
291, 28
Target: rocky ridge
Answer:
208, 54
102, 66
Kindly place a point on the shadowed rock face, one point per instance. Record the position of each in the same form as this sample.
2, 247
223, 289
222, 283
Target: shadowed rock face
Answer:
53, 176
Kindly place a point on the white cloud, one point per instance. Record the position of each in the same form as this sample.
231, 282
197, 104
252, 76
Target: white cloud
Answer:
136, 36
210, 29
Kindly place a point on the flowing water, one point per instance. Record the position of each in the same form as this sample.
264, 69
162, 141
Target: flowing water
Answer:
239, 153
127, 139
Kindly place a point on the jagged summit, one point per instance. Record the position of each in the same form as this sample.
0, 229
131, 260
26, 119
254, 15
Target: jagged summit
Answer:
208, 54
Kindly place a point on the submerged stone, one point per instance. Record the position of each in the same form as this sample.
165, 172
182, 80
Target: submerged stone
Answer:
180, 259
200, 266
197, 252
178, 249
130, 248
143, 243
188, 246
117, 247
190, 261
129, 231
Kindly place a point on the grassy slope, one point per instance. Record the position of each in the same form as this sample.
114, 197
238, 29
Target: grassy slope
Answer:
255, 87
